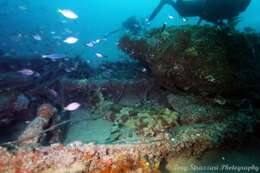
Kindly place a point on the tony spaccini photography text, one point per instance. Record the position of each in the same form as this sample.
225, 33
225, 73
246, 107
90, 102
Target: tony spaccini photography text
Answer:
219, 168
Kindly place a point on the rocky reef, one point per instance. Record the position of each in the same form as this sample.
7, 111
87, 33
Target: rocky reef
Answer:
196, 89
188, 121
202, 60
20, 95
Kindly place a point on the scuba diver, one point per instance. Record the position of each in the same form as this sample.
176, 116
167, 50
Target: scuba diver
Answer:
215, 11
131, 25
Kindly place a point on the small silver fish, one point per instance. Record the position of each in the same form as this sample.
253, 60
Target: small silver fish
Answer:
144, 70
99, 55
71, 40
72, 106
170, 17
68, 13
54, 56
97, 41
90, 44
37, 37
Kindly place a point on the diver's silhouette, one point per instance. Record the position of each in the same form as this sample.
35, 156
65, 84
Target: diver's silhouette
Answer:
215, 11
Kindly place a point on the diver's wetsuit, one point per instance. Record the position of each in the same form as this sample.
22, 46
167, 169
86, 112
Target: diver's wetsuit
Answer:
217, 10
185, 8
210, 10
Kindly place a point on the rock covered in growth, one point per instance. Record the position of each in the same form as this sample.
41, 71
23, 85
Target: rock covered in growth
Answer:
13, 106
166, 133
34, 131
194, 125
202, 60
46, 111
21, 103
88, 158
195, 110
203, 126
147, 121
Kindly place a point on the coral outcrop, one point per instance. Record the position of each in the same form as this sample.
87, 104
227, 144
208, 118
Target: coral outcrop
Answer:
77, 157
202, 60
34, 131
147, 121
195, 125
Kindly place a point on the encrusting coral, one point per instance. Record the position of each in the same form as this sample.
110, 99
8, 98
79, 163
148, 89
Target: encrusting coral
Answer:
33, 133
147, 121
203, 60
194, 124
46, 111
78, 157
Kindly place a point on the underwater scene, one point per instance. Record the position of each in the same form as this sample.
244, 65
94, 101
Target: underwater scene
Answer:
133, 86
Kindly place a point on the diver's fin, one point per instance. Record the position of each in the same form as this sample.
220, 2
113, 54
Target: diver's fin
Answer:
159, 7
199, 21
244, 5
163, 27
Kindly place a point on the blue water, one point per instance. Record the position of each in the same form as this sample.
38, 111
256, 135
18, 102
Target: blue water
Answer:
21, 20
96, 17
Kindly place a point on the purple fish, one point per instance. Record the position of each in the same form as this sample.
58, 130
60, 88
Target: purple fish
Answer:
53, 93
26, 72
